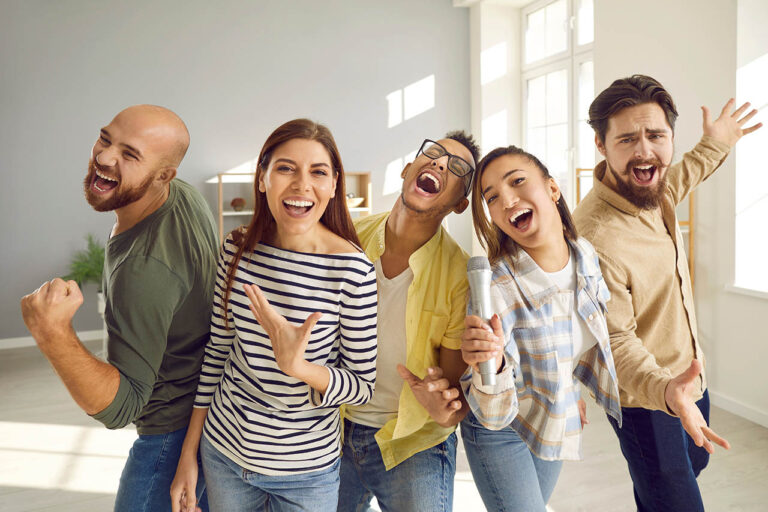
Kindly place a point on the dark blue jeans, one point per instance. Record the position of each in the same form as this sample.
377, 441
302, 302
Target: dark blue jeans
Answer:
662, 458
145, 485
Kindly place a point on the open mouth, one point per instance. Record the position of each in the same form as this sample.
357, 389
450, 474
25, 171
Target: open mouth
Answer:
644, 174
428, 183
103, 183
298, 207
521, 219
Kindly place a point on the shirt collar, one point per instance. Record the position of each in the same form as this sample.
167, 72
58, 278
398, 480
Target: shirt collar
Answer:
421, 255
536, 286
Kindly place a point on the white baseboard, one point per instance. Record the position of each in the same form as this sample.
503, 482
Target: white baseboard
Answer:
29, 341
739, 408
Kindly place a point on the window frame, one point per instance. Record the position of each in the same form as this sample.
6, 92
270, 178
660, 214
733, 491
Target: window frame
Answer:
570, 59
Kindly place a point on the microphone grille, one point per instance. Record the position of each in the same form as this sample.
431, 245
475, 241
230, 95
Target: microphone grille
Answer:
478, 263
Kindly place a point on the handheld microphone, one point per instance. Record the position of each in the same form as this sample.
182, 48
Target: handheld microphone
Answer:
479, 276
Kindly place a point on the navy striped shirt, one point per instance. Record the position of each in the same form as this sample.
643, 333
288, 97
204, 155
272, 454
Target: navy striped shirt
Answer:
260, 418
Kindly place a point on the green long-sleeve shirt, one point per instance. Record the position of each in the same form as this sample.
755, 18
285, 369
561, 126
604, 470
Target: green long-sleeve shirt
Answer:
158, 282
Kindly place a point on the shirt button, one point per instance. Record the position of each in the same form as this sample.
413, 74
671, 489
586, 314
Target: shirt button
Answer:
591, 317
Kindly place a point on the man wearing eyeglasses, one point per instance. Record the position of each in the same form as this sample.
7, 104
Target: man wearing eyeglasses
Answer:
401, 447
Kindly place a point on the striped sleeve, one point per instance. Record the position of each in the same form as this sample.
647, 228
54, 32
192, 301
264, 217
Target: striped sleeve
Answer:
353, 375
221, 339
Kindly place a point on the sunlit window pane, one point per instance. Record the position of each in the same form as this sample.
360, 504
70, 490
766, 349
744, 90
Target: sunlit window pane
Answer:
535, 36
557, 97
495, 131
537, 101
586, 153
556, 27
546, 31
585, 22
752, 181
537, 141
557, 150
586, 87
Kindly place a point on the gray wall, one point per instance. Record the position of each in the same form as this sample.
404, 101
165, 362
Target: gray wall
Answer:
232, 70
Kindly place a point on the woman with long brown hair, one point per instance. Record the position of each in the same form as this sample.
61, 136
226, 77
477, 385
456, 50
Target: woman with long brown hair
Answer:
293, 336
548, 334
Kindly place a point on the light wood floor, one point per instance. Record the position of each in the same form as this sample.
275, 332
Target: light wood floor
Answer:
53, 457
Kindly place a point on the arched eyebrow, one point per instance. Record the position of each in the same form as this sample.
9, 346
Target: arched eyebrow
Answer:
289, 161
506, 175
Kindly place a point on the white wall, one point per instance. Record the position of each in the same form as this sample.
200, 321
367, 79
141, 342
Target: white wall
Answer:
233, 70
690, 47
495, 42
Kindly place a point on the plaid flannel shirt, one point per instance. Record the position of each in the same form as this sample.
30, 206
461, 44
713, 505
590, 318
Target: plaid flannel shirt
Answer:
537, 391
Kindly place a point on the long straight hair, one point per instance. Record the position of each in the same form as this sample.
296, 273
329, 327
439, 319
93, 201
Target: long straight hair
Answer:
491, 237
262, 226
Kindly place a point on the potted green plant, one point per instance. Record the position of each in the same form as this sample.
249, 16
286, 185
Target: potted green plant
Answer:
86, 267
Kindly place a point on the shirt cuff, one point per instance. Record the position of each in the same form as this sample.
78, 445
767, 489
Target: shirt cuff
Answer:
504, 380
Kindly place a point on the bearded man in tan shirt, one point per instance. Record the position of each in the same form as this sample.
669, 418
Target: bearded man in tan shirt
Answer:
629, 216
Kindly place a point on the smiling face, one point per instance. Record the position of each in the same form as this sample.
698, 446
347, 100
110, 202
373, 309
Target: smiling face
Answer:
298, 182
638, 150
129, 154
522, 201
429, 188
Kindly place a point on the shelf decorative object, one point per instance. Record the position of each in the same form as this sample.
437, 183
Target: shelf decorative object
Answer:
237, 204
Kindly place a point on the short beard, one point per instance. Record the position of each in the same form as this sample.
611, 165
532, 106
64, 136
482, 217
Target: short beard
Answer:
644, 198
120, 198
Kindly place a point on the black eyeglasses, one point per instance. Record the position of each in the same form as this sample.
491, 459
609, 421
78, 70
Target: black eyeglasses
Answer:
456, 164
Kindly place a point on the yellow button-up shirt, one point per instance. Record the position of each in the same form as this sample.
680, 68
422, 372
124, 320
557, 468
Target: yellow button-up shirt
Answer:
434, 318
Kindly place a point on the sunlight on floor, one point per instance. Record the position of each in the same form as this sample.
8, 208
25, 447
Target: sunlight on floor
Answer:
72, 458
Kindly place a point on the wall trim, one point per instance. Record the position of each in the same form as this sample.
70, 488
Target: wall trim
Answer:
749, 292
29, 341
739, 408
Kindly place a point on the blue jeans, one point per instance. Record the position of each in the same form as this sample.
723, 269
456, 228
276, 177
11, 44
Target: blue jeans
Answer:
662, 458
507, 474
421, 483
232, 488
145, 485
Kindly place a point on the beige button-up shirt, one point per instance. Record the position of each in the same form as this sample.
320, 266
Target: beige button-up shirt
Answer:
651, 317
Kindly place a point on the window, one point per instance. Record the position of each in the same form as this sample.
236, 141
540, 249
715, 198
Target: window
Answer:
752, 182
558, 87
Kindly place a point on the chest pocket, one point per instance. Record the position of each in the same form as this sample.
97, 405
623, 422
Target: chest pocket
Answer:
538, 359
431, 326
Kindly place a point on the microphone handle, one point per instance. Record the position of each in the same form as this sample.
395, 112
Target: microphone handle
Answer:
488, 372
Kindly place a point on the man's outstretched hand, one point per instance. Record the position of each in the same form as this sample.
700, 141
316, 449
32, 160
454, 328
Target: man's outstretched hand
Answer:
679, 401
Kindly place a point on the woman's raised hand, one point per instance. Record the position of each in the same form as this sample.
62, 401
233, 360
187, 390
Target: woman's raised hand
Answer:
289, 342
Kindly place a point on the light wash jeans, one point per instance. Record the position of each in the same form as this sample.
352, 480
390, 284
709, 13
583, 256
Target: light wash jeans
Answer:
145, 485
421, 483
233, 489
507, 474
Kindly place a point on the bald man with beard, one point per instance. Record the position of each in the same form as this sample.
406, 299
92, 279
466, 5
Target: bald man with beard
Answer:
159, 274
